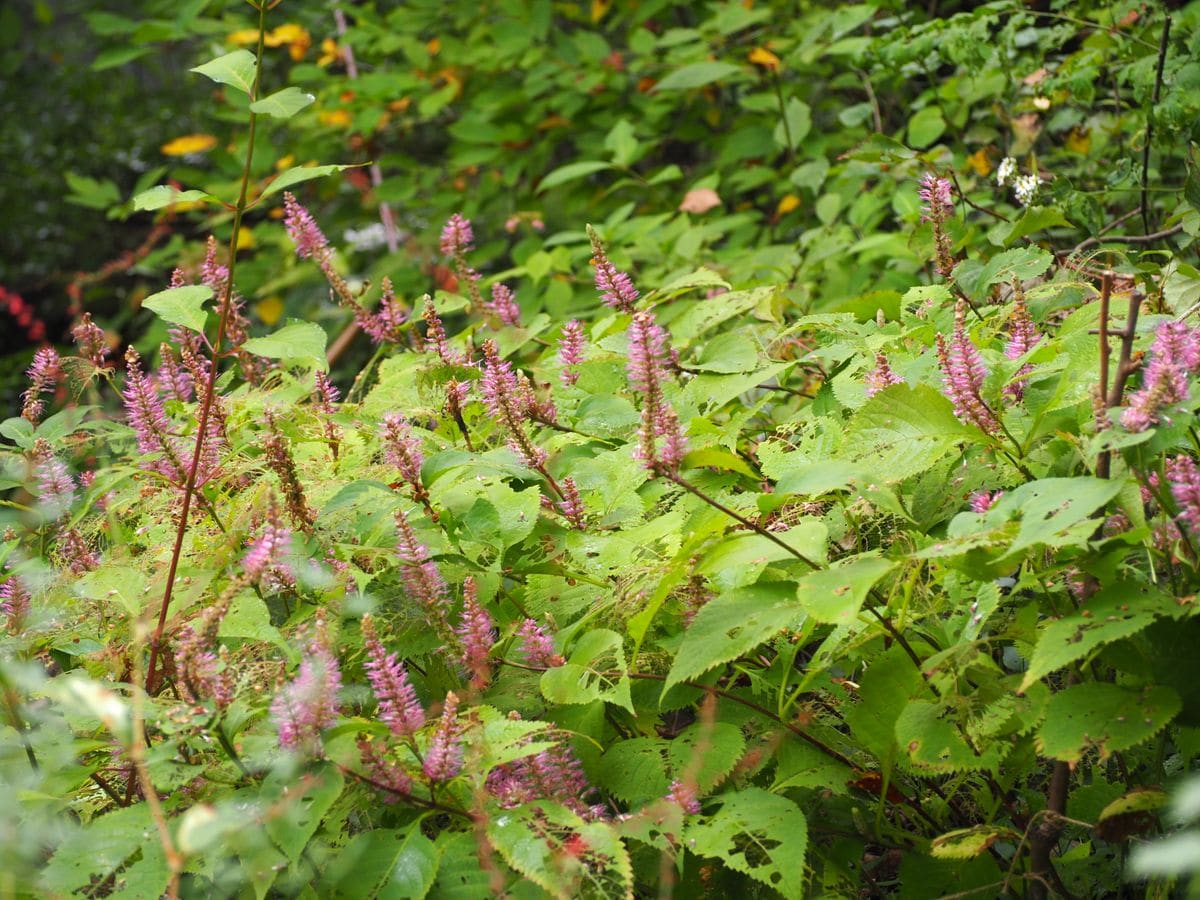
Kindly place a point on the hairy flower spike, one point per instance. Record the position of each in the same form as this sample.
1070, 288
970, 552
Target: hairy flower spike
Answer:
201, 675
661, 444
457, 236
403, 450
571, 505
14, 603
309, 703
399, 708
476, 633
570, 351
388, 321
1184, 477
444, 756
266, 562
982, 501
435, 336
422, 578
508, 405
74, 552
964, 372
43, 374
503, 305
1174, 354
278, 454
302, 228
144, 410
684, 795
56, 488
173, 378
537, 647
615, 287
881, 376
90, 339
384, 771
326, 406
938, 196
554, 774
1022, 337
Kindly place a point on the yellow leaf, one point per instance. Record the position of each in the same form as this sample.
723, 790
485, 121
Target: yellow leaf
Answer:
189, 143
600, 9
243, 37
245, 239
269, 309
981, 162
434, 46
1079, 141
330, 52
338, 118
761, 56
285, 162
787, 204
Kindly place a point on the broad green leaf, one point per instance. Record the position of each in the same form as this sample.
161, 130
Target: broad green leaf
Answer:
383, 863
118, 584
926, 126
635, 770
904, 430
932, 745
966, 843
299, 807
181, 306
884, 691
696, 75
164, 195
295, 340
1105, 717
836, 594
99, 849
706, 753
546, 843
236, 69
459, 875
571, 172
799, 121
732, 624
1022, 262
282, 104
300, 174
622, 143
1116, 612
757, 833
1050, 508
596, 670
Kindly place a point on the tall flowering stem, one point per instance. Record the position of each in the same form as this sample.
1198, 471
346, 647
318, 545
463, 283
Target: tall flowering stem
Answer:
278, 453
444, 756
881, 376
43, 375
308, 704
225, 309
661, 444
402, 449
457, 238
615, 287
326, 404
399, 708
476, 632
937, 194
14, 602
963, 374
505, 400
422, 579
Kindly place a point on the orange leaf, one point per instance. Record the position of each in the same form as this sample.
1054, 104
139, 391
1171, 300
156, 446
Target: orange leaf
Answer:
981, 162
189, 143
761, 56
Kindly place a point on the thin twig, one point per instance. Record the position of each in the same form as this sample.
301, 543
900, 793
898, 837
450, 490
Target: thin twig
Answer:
1130, 238
1158, 79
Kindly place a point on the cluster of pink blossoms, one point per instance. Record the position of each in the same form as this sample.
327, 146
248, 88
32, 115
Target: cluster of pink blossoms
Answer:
963, 375
1174, 355
661, 444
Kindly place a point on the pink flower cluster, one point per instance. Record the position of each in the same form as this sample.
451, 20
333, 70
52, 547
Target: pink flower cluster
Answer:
14, 602
570, 351
1174, 355
476, 633
422, 579
537, 647
266, 564
503, 305
661, 444
509, 405
615, 287
444, 755
963, 375
399, 708
43, 373
402, 449
554, 774
1184, 477
308, 704
881, 376
937, 194
1023, 336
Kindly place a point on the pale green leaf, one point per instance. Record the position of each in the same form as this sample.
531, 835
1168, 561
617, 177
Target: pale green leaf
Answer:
1105, 717
236, 69
300, 174
757, 833
836, 594
296, 340
181, 306
282, 104
572, 172
696, 75
164, 195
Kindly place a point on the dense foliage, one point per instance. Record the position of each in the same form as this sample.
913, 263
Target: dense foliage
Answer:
823, 518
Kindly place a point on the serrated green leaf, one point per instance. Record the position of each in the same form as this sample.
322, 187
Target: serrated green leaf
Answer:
99, 849
732, 624
1116, 612
835, 595
164, 195
696, 75
282, 104
596, 670
1050, 508
757, 833
1022, 262
181, 306
572, 172
298, 175
884, 692
296, 340
706, 753
556, 850
635, 770
1105, 717
931, 743
966, 843
299, 808
382, 863
236, 69
926, 126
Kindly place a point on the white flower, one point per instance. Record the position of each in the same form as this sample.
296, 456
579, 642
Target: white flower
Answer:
368, 238
1024, 188
1006, 170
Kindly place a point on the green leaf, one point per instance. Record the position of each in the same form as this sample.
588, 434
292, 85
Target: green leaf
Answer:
696, 75
300, 174
635, 770
298, 808
884, 691
905, 430
295, 340
757, 833
926, 126
282, 104
799, 121
1105, 717
556, 850
836, 594
732, 624
1116, 612
966, 843
382, 863
1050, 508
706, 753
596, 670
1022, 262
740, 559
933, 745
622, 143
572, 172
181, 306
459, 875
164, 195
1036, 218
99, 849
236, 69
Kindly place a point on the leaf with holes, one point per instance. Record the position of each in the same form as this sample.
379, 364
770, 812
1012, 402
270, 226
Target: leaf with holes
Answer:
382, 863
966, 843
596, 670
300, 805
931, 744
1104, 717
759, 834
836, 594
706, 754
635, 770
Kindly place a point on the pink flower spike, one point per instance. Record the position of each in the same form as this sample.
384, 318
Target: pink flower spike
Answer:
537, 646
15, 602
616, 288
403, 450
1174, 354
684, 795
571, 506
43, 374
74, 552
422, 579
982, 501
1184, 477
503, 305
570, 351
444, 756
938, 196
90, 339
963, 375
399, 708
56, 488
457, 236
302, 228
477, 633
308, 704
266, 563
881, 376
